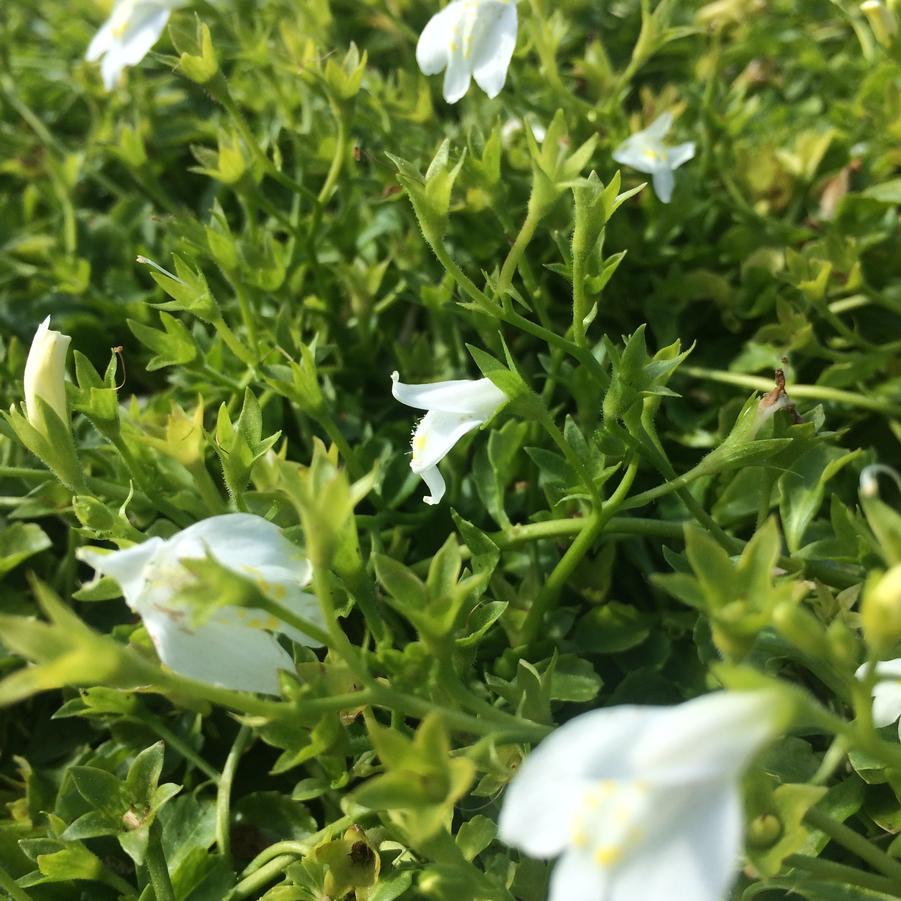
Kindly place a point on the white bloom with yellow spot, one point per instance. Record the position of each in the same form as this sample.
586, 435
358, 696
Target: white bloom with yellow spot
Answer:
646, 152
469, 39
454, 408
234, 646
45, 375
641, 803
886, 693
132, 28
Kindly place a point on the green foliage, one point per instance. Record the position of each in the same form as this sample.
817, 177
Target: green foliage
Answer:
646, 519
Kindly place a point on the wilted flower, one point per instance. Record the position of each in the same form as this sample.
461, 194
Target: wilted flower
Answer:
133, 27
45, 371
886, 693
642, 802
454, 409
646, 152
469, 39
234, 646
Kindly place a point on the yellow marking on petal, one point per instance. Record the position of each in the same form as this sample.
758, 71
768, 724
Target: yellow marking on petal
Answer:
600, 792
652, 155
607, 855
119, 30
579, 839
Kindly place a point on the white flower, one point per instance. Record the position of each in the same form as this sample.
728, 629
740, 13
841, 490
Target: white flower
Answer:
133, 27
45, 371
469, 39
646, 152
886, 693
642, 803
233, 647
454, 408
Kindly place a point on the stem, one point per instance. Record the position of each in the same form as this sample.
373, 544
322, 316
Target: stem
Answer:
157, 869
24, 473
526, 233
223, 330
331, 178
580, 300
336, 436
510, 316
593, 526
206, 486
251, 885
115, 881
175, 742
12, 888
247, 316
452, 683
855, 843
223, 795
560, 528
816, 392
838, 872
302, 624
300, 848
225, 697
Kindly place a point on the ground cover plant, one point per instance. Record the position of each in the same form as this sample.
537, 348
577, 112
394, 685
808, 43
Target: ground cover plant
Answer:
450, 452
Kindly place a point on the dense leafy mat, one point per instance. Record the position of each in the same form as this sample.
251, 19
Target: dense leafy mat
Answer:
681, 480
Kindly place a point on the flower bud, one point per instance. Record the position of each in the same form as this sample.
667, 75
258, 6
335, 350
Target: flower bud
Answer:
45, 371
203, 66
881, 611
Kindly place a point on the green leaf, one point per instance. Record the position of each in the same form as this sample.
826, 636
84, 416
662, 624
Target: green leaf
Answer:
172, 347
18, 542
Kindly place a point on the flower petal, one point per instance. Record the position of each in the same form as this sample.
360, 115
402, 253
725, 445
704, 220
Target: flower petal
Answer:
457, 76
289, 595
127, 567
475, 397
143, 29
436, 434
101, 42
711, 737
242, 542
435, 483
886, 694
432, 48
658, 129
637, 153
680, 154
544, 797
664, 182
494, 45
576, 877
694, 845
231, 656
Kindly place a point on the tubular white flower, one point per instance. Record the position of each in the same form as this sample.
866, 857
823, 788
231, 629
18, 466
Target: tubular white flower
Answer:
646, 152
886, 693
132, 28
454, 408
637, 800
469, 39
45, 371
234, 646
